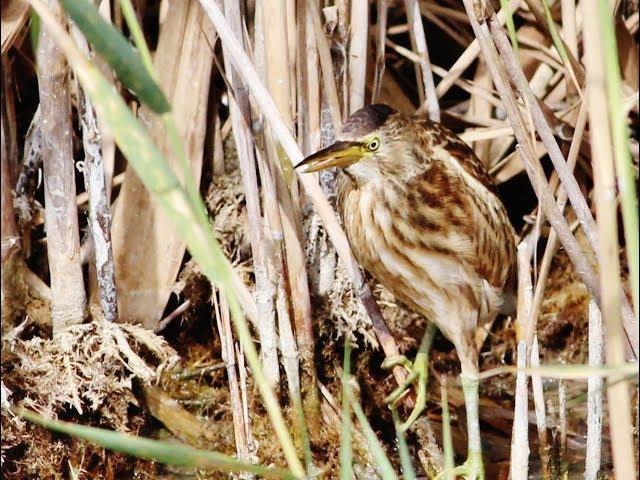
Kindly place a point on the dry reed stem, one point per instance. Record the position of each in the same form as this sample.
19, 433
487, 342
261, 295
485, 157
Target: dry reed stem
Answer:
520, 433
562, 427
381, 35
519, 458
620, 421
359, 26
594, 395
418, 38
312, 103
278, 67
552, 242
240, 110
223, 322
146, 269
94, 178
541, 416
61, 216
570, 36
330, 89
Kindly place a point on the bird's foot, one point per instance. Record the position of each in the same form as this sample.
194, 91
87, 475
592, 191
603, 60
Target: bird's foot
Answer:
418, 370
471, 469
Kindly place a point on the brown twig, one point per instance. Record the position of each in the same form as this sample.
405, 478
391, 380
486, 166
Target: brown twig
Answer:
223, 322
539, 406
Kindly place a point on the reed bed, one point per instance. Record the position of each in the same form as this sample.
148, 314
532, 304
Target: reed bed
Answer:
178, 303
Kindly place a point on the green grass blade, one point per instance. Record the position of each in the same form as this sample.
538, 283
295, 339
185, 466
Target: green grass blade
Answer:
165, 452
555, 36
385, 469
511, 27
346, 442
117, 52
34, 30
622, 155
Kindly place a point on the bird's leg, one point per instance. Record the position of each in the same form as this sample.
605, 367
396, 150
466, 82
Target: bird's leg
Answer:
473, 465
472, 468
419, 370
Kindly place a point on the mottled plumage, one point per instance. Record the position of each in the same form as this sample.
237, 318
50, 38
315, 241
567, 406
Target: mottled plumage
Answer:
422, 215
438, 236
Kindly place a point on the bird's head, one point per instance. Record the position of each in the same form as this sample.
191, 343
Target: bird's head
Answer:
374, 143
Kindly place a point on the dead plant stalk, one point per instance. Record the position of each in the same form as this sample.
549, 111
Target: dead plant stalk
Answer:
94, 177
419, 39
68, 296
264, 290
278, 68
359, 25
620, 420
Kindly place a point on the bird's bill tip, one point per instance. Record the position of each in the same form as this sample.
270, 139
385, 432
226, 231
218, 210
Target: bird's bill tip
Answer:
340, 154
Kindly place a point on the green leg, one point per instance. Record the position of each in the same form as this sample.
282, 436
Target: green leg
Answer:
418, 370
472, 468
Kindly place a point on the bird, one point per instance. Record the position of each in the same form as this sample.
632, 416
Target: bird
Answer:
423, 217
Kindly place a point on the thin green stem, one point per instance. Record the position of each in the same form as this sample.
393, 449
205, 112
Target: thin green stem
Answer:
622, 155
559, 44
511, 27
403, 449
138, 35
447, 443
385, 469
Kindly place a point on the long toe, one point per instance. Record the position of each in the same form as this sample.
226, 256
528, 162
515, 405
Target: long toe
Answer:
421, 369
471, 469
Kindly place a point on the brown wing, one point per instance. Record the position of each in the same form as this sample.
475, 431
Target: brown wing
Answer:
468, 220
442, 136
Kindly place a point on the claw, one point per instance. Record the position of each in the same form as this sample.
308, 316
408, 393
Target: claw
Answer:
421, 369
418, 370
471, 469
401, 360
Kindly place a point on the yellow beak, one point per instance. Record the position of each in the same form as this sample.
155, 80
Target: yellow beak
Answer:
339, 154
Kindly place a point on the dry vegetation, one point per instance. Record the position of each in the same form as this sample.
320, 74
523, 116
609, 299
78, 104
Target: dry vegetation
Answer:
161, 360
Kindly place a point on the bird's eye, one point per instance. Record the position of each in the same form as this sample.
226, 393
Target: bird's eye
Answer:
373, 144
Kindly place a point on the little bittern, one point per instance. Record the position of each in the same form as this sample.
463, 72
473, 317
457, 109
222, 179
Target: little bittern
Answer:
422, 216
